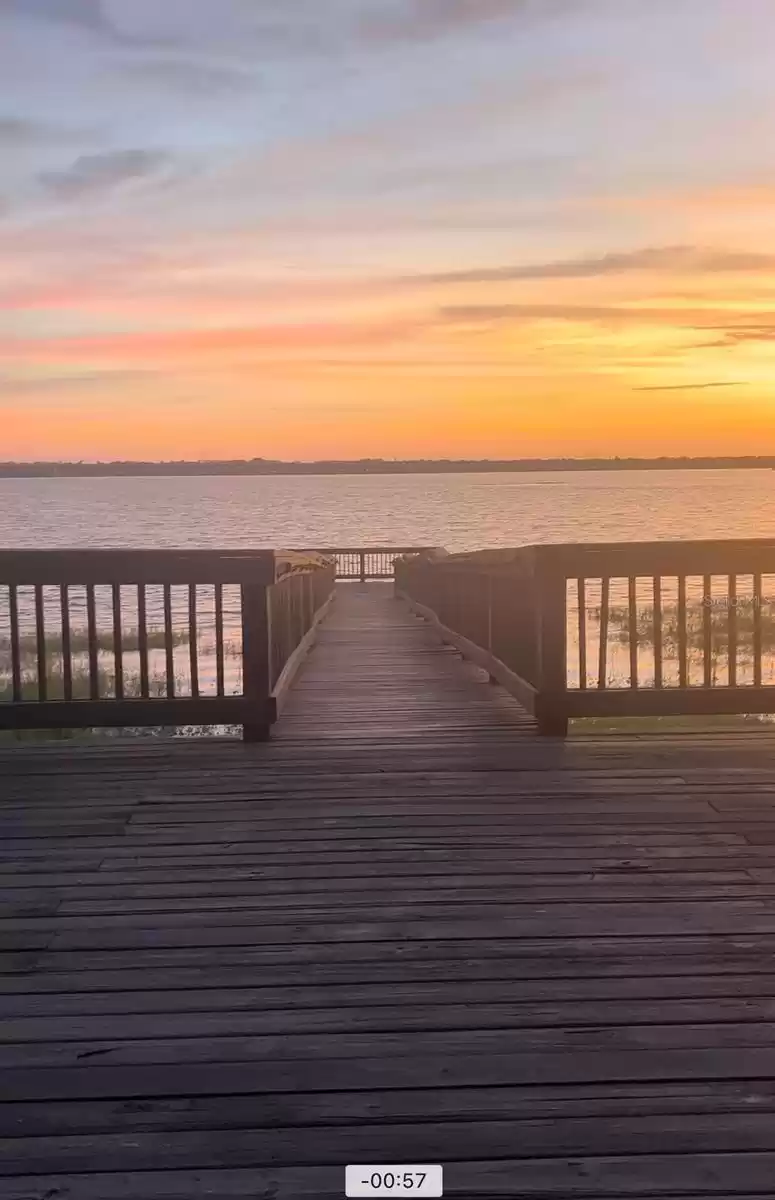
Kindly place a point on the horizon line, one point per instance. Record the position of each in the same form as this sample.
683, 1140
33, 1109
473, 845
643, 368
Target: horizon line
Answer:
360, 464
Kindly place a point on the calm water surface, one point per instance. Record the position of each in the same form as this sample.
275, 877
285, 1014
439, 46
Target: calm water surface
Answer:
461, 512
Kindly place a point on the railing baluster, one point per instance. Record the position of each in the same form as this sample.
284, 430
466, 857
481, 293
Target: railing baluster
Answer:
632, 595
67, 653
732, 632
275, 607
757, 629
298, 624
308, 587
602, 666
169, 653
581, 585
657, 631
91, 636
683, 673
285, 623
289, 619
142, 639
118, 642
40, 642
706, 630
16, 667
193, 640
219, 673
369, 562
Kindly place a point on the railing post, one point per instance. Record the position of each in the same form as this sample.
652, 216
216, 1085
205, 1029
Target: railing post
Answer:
551, 637
363, 565
256, 656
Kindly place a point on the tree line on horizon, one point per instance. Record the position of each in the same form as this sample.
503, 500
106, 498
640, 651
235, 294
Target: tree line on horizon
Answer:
365, 466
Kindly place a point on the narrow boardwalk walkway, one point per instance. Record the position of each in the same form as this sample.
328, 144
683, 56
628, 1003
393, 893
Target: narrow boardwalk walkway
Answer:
407, 930
380, 681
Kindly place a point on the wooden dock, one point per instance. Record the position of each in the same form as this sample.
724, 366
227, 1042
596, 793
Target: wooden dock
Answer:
406, 930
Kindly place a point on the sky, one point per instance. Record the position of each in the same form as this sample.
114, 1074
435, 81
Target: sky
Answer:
386, 228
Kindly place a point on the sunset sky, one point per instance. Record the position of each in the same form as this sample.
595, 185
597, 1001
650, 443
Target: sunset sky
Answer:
398, 228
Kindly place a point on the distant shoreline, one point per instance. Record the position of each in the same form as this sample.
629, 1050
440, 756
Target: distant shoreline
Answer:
252, 467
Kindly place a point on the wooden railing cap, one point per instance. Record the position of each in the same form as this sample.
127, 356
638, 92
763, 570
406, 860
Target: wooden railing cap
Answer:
57, 566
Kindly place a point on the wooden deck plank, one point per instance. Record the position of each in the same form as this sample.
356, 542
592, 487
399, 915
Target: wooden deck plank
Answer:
292, 1145
245, 993
334, 1018
726, 1177
342, 1109
407, 928
266, 1051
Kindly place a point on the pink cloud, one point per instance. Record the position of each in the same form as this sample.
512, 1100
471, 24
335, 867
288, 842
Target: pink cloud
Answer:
183, 345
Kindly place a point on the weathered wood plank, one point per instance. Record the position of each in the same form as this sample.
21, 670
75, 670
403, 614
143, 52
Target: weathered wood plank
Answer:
341, 1017
547, 1043
239, 991
737, 1176
96, 1079
702, 1133
345, 921
336, 1109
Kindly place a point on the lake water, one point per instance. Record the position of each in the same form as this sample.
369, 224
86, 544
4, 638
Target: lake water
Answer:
461, 512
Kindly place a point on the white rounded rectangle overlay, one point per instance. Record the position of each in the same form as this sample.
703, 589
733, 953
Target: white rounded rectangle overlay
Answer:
393, 1180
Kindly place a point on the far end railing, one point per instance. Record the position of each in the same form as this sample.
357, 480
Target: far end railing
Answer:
613, 629
367, 563
96, 638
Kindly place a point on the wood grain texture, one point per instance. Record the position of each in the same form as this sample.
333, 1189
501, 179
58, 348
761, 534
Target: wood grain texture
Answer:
407, 928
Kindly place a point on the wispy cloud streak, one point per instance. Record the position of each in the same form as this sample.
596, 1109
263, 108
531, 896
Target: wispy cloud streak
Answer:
690, 387
692, 260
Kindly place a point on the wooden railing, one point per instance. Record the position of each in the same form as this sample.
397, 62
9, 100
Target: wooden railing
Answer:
296, 603
154, 638
487, 604
368, 562
614, 630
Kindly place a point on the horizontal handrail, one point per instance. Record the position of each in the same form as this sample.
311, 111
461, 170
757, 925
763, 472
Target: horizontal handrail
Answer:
56, 567
151, 638
611, 629
694, 557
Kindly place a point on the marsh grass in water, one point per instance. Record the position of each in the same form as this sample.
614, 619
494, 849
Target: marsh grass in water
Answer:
79, 642
696, 615
106, 681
